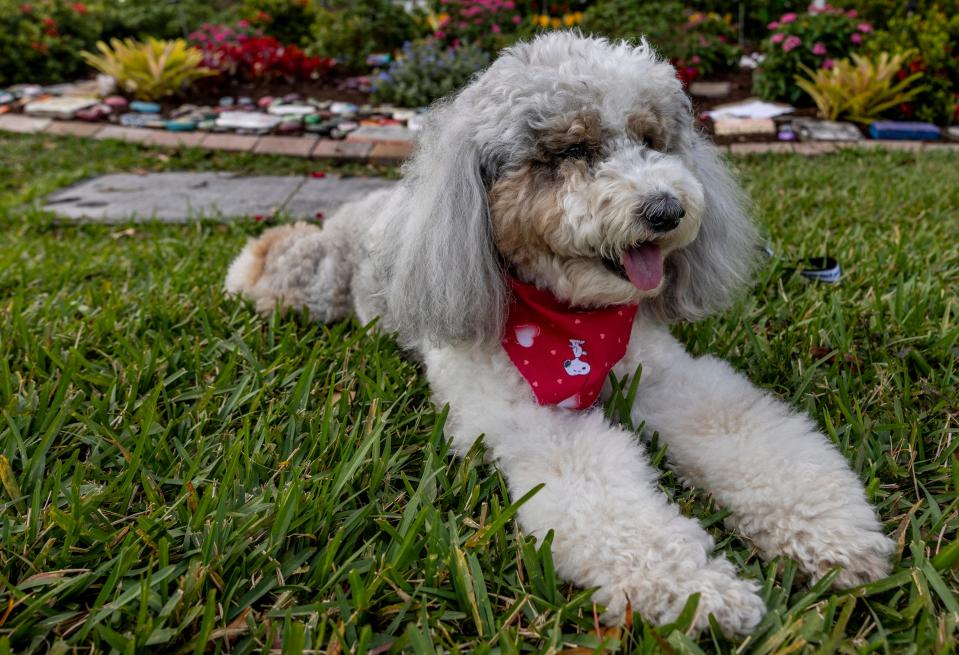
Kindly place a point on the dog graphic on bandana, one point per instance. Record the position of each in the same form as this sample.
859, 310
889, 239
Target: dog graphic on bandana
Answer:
576, 366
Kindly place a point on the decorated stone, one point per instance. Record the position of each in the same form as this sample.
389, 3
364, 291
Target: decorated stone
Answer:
343, 108
245, 120
813, 130
226, 101
181, 126
265, 102
95, 113
143, 107
136, 119
116, 102
291, 110
290, 125
59, 107
904, 131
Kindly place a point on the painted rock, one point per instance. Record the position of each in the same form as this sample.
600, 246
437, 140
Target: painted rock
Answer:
289, 126
226, 101
6, 98
343, 108
181, 126
117, 102
95, 113
291, 97
135, 119
265, 101
142, 107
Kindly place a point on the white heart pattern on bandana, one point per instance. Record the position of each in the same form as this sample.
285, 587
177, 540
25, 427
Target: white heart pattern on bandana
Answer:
526, 335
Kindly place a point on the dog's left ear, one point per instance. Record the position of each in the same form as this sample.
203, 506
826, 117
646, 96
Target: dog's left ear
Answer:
445, 282
705, 276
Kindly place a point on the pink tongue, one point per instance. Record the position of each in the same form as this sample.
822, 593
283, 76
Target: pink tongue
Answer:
644, 266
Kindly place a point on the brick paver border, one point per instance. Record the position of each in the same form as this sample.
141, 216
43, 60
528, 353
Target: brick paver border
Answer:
309, 146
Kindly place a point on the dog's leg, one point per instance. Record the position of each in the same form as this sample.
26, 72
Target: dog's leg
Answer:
296, 266
790, 490
613, 529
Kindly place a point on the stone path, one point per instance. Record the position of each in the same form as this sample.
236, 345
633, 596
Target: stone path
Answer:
184, 197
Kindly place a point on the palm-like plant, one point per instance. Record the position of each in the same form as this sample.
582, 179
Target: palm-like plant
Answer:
861, 89
149, 70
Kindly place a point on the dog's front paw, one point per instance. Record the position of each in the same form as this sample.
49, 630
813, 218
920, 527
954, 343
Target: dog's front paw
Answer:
659, 598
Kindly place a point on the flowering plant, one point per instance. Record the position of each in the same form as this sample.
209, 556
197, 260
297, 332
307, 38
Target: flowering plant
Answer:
813, 40
708, 44
426, 71
352, 33
42, 41
481, 22
240, 52
930, 44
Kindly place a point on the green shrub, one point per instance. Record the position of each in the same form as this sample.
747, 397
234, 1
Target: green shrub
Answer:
933, 39
812, 40
881, 12
352, 32
290, 21
161, 19
41, 41
660, 22
708, 44
427, 71
698, 43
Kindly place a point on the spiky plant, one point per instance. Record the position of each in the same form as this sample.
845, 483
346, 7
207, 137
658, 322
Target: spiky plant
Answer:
149, 70
860, 90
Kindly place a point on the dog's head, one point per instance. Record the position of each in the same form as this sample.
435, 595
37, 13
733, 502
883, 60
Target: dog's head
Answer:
572, 163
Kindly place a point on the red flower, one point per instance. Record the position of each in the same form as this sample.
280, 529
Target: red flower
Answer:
39, 47
26, 9
79, 8
262, 17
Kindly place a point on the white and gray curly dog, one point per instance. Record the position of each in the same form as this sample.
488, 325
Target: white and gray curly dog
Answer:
565, 182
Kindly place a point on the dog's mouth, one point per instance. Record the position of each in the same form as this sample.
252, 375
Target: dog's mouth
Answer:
641, 265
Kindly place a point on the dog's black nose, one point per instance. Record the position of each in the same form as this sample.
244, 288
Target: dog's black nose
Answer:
662, 212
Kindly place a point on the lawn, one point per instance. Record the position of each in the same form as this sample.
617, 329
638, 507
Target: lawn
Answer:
180, 475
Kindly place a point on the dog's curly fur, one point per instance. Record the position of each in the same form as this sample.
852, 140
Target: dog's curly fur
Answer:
550, 164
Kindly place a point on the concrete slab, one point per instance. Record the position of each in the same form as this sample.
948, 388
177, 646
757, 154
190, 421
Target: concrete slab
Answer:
172, 197
390, 153
74, 128
291, 146
185, 197
128, 134
164, 139
230, 142
326, 194
23, 124
330, 149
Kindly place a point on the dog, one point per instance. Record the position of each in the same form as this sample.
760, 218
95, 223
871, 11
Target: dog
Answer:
566, 194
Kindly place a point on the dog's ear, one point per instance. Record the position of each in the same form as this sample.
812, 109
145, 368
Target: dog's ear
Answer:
705, 276
445, 282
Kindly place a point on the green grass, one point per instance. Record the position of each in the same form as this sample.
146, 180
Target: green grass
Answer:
182, 476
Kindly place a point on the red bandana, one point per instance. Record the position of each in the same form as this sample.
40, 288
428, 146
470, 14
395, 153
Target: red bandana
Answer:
564, 353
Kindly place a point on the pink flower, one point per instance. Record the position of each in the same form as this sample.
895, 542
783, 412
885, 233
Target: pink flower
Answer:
494, 28
791, 43
788, 18
852, 13
778, 37
856, 38
828, 64
865, 28
773, 25
819, 48
243, 24
516, 19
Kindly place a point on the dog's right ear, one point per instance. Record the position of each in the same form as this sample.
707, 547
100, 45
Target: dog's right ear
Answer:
444, 280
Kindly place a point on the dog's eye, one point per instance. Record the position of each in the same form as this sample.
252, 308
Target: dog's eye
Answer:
651, 143
575, 151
